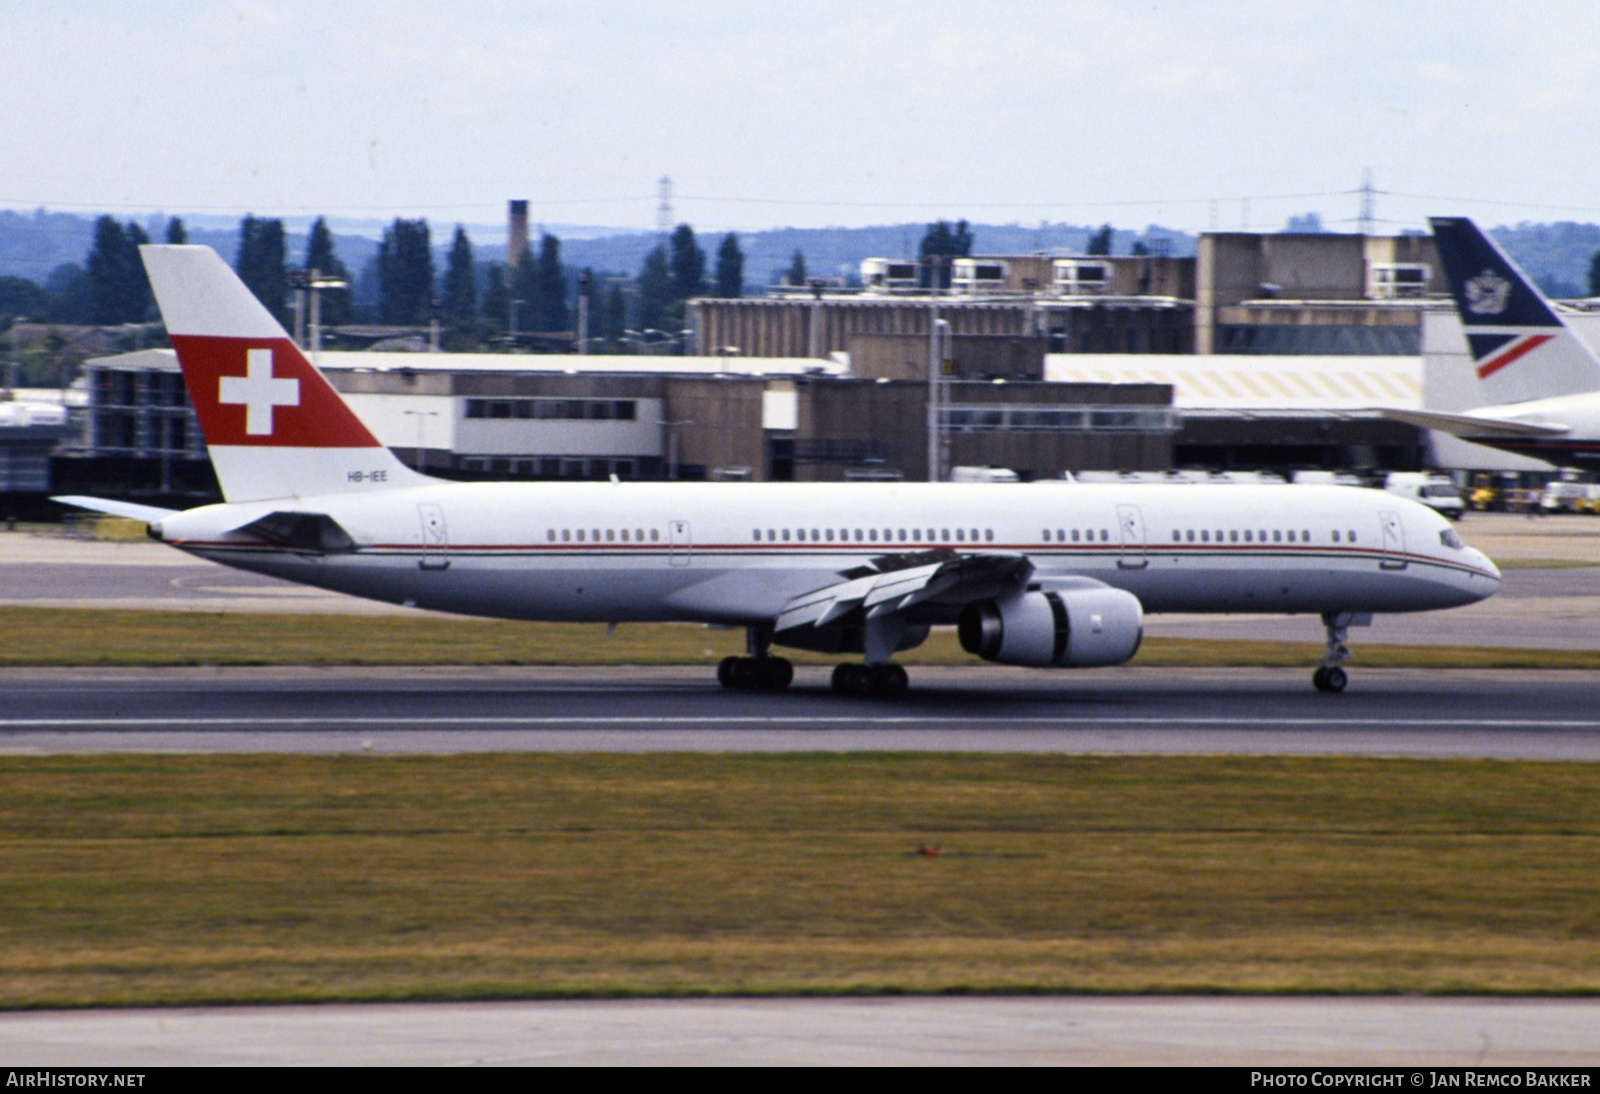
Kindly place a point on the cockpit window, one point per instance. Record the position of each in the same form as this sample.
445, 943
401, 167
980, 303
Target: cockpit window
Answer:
1448, 537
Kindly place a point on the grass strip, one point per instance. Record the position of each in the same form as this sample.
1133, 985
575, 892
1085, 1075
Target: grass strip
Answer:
134, 880
72, 636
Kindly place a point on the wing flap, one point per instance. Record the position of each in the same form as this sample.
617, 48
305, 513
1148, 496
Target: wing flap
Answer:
951, 579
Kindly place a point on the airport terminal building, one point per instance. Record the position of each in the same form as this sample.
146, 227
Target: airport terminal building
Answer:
1262, 351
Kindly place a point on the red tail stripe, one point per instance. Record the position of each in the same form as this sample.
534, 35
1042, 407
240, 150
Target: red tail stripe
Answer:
1516, 350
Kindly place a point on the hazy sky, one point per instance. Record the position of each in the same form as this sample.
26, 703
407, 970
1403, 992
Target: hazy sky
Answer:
805, 114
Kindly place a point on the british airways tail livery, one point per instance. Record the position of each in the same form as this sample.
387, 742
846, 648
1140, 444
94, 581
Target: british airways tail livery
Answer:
1541, 379
1041, 575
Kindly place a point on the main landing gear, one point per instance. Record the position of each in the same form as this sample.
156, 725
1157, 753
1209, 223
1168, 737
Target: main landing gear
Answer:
757, 672
1329, 676
884, 680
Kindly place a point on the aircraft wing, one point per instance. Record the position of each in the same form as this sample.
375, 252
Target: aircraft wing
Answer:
1470, 425
896, 582
147, 513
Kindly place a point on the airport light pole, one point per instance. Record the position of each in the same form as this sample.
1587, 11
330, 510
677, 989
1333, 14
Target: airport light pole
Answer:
316, 283
934, 264
584, 281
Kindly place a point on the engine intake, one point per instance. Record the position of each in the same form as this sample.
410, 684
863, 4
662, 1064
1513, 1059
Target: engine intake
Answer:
1076, 628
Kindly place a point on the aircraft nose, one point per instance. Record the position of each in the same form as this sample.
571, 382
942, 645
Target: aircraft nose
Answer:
1489, 584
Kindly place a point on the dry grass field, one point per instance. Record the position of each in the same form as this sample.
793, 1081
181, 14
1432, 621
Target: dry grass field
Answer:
182, 879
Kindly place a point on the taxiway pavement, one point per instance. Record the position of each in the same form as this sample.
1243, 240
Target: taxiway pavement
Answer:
1260, 1032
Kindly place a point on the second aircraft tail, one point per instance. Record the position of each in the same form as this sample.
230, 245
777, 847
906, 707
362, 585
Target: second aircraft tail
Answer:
1521, 347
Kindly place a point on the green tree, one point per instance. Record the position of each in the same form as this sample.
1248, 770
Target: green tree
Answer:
68, 294
941, 241
730, 268
21, 298
496, 296
405, 273
614, 316
117, 287
1100, 242
655, 290
460, 282
142, 297
176, 232
549, 303
1594, 275
260, 264
337, 305
796, 274
688, 264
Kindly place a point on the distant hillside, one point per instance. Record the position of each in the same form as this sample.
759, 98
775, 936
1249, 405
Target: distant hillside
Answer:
1557, 256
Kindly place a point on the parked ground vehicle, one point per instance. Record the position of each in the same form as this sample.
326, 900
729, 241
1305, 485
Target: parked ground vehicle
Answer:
1564, 496
1437, 492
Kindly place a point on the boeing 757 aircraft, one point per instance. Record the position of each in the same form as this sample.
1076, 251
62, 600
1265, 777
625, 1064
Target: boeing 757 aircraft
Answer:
1544, 379
1045, 576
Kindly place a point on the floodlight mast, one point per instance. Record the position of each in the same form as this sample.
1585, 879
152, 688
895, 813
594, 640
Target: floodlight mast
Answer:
315, 283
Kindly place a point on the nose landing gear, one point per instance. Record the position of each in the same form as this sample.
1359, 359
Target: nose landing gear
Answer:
1329, 676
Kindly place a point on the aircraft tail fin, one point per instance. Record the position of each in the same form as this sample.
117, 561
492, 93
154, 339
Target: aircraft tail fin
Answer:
1521, 347
274, 426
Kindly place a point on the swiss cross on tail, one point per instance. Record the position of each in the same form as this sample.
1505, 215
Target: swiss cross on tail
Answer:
258, 392
274, 426
249, 391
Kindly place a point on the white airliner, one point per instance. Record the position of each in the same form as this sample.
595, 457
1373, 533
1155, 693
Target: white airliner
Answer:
1031, 575
1543, 379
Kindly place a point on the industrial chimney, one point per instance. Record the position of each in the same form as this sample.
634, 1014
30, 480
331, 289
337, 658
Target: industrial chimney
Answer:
517, 234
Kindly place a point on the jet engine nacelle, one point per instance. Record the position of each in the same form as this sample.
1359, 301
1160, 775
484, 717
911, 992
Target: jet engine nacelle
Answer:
1076, 628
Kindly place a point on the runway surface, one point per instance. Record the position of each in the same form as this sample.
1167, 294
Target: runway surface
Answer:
1509, 714
1284, 1032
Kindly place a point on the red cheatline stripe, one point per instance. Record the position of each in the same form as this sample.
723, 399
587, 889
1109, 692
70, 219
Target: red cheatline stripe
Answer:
1527, 345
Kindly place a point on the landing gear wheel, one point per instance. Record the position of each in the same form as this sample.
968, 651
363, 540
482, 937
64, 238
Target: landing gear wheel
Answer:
773, 673
743, 673
849, 679
755, 673
889, 681
1330, 678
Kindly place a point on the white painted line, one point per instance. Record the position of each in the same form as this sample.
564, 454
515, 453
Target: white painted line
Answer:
845, 720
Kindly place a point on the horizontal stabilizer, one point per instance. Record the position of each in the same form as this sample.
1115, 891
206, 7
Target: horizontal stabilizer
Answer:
147, 513
314, 532
1470, 425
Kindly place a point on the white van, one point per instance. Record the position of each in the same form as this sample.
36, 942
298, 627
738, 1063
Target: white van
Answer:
1437, 492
